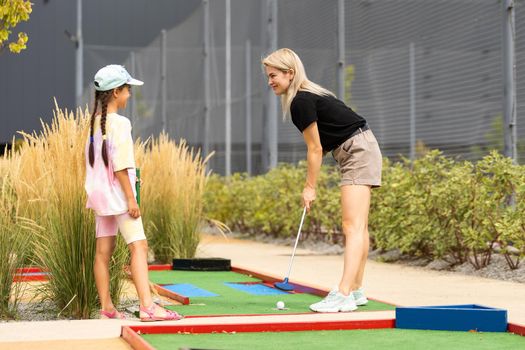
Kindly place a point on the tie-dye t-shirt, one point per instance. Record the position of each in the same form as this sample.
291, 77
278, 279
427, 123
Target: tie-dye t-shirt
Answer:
105, 195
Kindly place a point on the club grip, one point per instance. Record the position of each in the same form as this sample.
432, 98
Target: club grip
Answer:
137, 184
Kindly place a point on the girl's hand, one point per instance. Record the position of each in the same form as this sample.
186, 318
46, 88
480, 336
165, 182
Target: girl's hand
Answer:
308, 197
133, 208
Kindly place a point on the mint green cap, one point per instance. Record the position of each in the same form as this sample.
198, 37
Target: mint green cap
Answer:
113, 76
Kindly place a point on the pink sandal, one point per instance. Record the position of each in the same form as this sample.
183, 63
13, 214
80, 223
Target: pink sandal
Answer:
112, 315
150, 312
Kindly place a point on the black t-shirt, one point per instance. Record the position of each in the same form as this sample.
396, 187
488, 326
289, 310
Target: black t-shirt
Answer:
335, 120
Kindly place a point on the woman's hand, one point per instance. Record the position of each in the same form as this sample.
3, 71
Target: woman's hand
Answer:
308, 197
133, 208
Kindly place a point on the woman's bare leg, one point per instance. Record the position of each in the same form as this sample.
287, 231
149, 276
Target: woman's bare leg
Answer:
355, 204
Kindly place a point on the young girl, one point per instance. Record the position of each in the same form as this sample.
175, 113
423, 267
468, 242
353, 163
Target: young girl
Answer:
328, 125
110, 179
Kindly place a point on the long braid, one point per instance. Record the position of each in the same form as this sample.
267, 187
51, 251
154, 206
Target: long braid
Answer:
91, 131
104, 101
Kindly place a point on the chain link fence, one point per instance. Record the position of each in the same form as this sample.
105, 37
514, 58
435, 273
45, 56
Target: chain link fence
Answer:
424, 73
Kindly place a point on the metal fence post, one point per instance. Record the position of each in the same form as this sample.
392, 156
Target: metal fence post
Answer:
206, 54
248, 106
341, 50
79, 74
412, 60
163, 82
509, 78
270, 148
228, 95
133, 107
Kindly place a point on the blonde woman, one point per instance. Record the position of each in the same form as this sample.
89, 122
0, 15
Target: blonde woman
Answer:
328, 125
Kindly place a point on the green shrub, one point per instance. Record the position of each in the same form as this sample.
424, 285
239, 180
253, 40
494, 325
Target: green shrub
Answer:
433, 207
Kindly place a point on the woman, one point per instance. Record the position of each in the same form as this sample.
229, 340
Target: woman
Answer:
328, 125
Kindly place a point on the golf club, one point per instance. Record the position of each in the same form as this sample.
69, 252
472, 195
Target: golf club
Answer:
284, 285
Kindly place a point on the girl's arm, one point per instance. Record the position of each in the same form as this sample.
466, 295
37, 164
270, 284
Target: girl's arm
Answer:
123, 179
314, 159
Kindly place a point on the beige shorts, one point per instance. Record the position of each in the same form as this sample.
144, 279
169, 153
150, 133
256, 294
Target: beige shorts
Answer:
131, 229
360, 160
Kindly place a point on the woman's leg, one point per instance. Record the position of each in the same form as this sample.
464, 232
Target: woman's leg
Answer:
360, 274
104, 250
355, 204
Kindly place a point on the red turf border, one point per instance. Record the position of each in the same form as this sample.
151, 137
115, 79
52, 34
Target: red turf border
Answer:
516, 329
159, 267
29, 269
172, 295
37, 274
266, 327
30, 278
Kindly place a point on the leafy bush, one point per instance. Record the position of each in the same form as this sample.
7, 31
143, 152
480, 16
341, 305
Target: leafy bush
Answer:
434, 207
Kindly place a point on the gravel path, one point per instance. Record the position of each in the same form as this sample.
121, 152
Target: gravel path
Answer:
497, 269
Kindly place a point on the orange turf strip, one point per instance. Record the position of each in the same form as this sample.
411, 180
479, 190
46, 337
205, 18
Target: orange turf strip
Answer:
134, 339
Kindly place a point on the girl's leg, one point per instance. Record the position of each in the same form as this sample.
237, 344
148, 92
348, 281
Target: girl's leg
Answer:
104, 250
139, 273
355, 204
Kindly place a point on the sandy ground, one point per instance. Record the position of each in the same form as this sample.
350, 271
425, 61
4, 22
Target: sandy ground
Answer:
113, 344
398, 284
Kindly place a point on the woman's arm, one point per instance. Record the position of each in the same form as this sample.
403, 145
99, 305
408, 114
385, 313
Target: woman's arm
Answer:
123, 179
314, 159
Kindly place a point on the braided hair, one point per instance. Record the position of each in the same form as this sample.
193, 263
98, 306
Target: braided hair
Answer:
101, 97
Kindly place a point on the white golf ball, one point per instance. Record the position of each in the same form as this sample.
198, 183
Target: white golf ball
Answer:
280, 305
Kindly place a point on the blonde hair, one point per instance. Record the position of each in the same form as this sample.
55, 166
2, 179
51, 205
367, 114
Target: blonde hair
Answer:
286, 60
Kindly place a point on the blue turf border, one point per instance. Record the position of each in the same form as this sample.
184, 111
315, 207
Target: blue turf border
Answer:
466, 317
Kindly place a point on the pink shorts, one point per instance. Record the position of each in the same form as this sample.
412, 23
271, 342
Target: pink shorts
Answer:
131, 229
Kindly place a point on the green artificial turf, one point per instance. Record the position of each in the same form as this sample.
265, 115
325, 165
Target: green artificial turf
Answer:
232, 301
390, 339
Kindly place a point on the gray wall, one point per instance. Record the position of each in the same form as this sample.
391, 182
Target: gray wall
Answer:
30, 80
46, 69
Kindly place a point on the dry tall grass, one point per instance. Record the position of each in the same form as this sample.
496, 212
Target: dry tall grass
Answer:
172, 196
14, 234
49, 172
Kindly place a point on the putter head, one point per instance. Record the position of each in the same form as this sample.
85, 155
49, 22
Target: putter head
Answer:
284, 285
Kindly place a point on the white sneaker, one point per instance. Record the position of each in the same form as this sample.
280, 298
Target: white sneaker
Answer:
360, 297
335, 302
